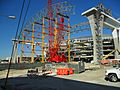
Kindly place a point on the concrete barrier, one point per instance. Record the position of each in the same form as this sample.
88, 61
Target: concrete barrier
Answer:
20, 66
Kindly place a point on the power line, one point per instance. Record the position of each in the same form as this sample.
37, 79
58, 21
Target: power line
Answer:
14, 45
19, 20
24, 19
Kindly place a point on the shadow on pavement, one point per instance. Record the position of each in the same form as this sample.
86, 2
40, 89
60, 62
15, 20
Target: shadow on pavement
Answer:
51, 83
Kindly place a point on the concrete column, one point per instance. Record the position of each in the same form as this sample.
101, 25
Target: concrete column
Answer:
14, 57
116, 38
97, 16
99, 36
96, 23
92, 25
119, 42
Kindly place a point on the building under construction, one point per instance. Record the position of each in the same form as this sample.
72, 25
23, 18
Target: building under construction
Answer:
51, 36
46, 49
82, 48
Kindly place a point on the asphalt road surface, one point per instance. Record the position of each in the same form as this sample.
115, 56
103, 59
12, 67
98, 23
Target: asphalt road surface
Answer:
51, 83
88, 80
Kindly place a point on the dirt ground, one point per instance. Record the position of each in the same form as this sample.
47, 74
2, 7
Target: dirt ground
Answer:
13, 73
95, 76
91, 79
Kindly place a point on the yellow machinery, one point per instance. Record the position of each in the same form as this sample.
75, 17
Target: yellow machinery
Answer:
106, 56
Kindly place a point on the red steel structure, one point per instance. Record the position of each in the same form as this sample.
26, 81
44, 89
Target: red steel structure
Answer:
50, 29
55, 36
50, 33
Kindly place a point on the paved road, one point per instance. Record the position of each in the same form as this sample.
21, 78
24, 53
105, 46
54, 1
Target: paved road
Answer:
88, 80
52, 83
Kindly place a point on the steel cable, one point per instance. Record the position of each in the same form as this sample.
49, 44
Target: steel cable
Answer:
14, 45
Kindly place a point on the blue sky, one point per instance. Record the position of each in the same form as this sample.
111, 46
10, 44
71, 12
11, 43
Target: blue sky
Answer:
12, 7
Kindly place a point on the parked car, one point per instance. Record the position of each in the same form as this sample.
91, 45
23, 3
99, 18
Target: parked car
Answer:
113, 74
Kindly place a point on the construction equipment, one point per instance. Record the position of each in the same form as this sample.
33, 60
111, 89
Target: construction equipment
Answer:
45, 70
33, 73
106, 56
104, 61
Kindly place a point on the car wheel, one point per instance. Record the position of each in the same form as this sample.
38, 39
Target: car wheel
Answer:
113, 78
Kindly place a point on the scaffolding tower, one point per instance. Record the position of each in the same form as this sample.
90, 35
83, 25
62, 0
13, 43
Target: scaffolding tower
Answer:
50, 23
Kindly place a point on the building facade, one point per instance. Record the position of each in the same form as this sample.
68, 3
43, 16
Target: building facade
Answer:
82, 48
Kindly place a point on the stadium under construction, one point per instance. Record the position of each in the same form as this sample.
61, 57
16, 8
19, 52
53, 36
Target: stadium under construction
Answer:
49, 40
49, 53
82, 49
